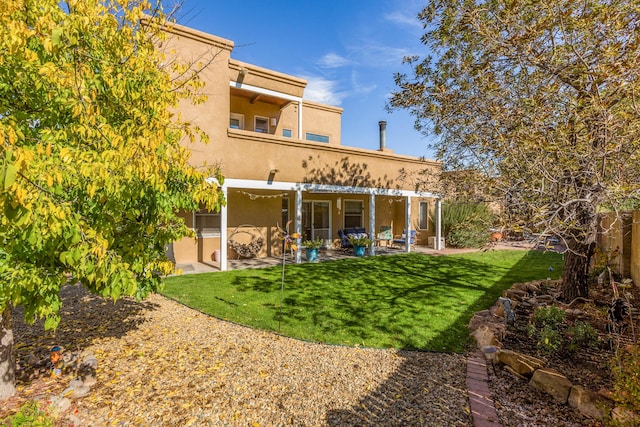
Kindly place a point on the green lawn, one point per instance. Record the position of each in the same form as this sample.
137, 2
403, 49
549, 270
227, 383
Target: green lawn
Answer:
408, 301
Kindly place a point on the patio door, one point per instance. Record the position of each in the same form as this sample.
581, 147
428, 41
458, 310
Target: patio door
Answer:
316, 220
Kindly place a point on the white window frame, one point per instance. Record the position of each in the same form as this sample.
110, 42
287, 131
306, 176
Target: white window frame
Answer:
255, 123
205, 232
344, 211
239, 118
422, 220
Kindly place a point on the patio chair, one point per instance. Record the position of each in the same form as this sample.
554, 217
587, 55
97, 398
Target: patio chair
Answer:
385, 234
402, 240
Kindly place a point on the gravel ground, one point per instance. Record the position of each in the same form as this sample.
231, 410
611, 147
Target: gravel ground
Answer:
161, 363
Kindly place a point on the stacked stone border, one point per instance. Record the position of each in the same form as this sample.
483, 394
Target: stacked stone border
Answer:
488, 327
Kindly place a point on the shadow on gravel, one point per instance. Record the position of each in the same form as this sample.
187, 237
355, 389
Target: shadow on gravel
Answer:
428, 389
84, 319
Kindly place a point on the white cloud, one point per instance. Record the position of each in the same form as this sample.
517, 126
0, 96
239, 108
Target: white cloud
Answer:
333, 60
404, 19
322, 90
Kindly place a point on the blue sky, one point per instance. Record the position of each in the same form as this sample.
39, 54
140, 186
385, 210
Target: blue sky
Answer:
347, 50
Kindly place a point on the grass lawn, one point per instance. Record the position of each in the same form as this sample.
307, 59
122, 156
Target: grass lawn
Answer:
408, 301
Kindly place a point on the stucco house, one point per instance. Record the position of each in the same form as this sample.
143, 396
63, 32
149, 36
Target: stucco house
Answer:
283, 159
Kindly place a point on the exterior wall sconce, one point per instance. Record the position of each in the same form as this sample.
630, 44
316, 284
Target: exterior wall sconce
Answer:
274, 121
339, 204
272, 174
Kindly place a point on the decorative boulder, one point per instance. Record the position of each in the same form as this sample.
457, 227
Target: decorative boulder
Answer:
520, 363
588, 402
553, 383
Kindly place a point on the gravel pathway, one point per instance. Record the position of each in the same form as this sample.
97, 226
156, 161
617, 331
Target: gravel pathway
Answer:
161, 363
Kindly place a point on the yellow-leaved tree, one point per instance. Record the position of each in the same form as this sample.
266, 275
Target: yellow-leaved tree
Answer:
92, 169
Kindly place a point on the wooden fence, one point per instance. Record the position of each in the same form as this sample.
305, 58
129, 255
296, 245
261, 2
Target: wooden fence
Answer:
622, 234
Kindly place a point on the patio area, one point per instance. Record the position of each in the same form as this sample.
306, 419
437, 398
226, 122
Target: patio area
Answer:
334, 254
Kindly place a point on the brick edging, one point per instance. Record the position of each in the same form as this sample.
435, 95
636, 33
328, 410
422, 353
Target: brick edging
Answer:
483, 410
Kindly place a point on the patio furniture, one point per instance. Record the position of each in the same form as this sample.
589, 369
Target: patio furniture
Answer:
345, 233
385, 235
402, 240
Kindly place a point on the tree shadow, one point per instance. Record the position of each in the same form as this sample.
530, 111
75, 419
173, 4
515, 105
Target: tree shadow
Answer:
84, 318
427, 387
345, 173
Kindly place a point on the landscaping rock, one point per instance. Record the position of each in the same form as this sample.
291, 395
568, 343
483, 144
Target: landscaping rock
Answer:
520, 363
487, 329
624, 417
589, 403
553, 383
486, 336
515, 294
59, 406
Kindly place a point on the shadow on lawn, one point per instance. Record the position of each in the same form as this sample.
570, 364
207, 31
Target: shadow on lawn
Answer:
416, 375
388, 294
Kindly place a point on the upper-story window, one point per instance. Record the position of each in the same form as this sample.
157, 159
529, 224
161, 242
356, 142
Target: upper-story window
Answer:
236, 121
287, 133
316, 137
261, 124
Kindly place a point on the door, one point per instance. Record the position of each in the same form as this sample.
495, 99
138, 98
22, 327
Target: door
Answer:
316, 220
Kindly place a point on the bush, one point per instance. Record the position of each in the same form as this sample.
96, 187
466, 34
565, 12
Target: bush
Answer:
626, 380
582, 335
549, 328
466, 225
550, 316
29, 415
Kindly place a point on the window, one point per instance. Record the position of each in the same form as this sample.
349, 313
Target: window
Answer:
206, 222
317, 138
285, 211
353, 210
236, 121
287, 133
423, 220
261, 124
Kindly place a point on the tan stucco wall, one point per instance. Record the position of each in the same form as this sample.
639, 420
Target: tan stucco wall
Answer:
245, 154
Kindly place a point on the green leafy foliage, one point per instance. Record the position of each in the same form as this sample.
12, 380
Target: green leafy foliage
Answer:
29, 415
548, 326
92, 168
466, 225
540, 100
626, 381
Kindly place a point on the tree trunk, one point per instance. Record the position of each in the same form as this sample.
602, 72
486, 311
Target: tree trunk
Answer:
575, 277
7, 360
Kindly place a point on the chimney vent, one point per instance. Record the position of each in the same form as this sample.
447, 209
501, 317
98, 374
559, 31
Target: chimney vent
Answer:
383, 135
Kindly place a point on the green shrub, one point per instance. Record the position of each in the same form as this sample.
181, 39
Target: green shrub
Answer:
626, 381
550, 316
582, 335
549, 328
466, 224
29, 415
549, 340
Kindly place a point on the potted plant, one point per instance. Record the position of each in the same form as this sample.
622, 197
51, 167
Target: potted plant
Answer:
311, 248
359, 243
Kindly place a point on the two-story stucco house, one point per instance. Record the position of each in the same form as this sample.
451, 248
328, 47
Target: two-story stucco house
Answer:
283, 159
